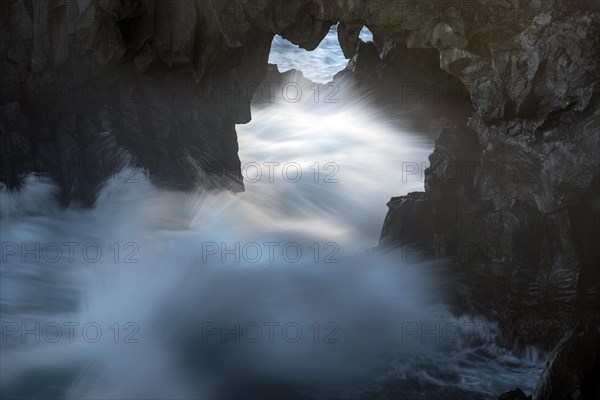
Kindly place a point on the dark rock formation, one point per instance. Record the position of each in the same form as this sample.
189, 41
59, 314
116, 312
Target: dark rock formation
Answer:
102, 83
519, 183
516, 394
408, 221
573, 369
348, 37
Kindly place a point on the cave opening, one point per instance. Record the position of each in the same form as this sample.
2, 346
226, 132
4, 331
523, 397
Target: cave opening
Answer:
350, 65
319, 65
334, 120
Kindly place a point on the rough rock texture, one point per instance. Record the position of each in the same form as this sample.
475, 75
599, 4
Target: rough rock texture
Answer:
518, 188
102, 83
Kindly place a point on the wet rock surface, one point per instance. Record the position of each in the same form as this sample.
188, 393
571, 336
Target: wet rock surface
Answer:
511, 187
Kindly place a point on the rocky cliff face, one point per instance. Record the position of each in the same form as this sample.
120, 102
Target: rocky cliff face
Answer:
515, 193
90, 84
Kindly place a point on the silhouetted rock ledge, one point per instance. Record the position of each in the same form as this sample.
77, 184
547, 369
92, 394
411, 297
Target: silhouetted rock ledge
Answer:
408, 221
516, 394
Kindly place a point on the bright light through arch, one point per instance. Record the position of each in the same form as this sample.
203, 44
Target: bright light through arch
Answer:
319, 65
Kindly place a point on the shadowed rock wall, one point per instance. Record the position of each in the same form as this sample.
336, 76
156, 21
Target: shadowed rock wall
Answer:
514, 196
